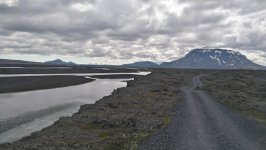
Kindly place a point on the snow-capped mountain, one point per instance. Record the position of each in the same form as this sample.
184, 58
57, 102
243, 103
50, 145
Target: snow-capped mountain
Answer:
213, 59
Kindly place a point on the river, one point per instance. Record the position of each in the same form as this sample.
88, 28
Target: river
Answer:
26, 112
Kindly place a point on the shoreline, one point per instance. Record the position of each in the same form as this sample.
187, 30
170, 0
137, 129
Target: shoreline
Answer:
118, 121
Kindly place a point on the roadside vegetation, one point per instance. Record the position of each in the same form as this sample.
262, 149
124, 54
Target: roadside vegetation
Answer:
242, 90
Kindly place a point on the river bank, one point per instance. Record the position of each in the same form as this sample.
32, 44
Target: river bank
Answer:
118, 121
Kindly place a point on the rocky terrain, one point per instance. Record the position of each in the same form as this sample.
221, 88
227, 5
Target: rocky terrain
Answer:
167, 109
241, 90
118, 121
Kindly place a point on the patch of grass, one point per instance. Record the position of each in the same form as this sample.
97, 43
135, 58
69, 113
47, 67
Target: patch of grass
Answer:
259, 116
118, 145
166, 121
128, 141
105, 134
89, 126
133, 142
146, 106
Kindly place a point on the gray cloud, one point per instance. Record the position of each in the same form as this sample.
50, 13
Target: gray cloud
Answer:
131, 30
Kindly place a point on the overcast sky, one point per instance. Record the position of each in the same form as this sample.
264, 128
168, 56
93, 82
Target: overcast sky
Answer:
122, 31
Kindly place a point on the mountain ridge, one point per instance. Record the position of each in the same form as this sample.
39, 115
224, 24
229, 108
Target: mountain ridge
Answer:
60, 62
11, 61
142, 64
212, 59
206, 58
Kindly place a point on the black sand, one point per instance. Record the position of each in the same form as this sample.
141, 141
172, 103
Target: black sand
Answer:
115, 76
28, 83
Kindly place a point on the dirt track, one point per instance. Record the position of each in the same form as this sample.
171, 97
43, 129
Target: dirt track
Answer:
202, 123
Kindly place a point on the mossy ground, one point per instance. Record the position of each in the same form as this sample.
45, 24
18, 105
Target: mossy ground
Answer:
241, 90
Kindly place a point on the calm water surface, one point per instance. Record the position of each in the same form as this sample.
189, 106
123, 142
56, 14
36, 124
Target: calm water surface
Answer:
27, 112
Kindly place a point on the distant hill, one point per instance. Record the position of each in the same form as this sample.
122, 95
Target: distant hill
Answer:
11, 62
60, 62
213, 59
142, 64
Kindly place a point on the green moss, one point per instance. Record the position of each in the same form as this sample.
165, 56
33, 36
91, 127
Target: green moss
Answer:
133, 142
146, 106
105, 134
88, 126
119, 145
128, 141
240, 92
259, 116
166, 121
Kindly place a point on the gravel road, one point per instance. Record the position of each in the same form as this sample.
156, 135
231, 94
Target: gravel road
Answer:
202, 123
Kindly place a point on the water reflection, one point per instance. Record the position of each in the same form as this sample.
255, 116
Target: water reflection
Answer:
21, 106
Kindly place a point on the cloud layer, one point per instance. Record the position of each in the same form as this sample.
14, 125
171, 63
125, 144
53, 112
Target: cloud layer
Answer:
116, 31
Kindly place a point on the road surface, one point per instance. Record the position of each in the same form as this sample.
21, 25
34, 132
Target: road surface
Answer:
202, 123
